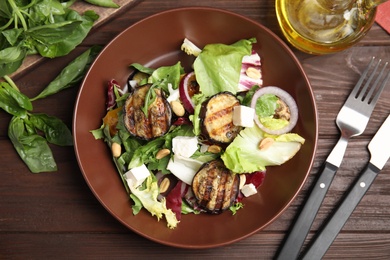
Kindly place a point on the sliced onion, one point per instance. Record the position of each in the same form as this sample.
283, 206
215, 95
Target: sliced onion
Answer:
184, 95
250, 61
286, 98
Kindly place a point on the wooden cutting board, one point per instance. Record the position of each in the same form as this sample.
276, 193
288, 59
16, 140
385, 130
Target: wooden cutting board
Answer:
81, 6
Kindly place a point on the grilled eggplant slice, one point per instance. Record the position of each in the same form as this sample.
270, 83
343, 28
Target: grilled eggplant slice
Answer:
216, 118
159, 118
215, 187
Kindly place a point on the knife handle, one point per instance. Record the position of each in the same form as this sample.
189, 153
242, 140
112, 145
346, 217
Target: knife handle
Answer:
296, 237
330, 230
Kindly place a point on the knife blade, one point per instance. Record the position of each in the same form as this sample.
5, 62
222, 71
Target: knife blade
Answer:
379, 148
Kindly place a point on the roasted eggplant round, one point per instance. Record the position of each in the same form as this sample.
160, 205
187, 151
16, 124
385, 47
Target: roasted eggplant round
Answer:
159, 114
216, 118
215, 187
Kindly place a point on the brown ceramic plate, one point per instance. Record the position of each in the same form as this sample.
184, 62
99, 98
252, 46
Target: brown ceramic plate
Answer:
156, 41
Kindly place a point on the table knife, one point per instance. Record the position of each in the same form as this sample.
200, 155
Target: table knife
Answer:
379, 148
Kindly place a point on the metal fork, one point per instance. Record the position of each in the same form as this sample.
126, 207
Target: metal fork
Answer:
351, 121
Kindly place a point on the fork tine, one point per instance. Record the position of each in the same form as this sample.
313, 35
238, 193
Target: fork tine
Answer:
362, 93
381, 87
355, 90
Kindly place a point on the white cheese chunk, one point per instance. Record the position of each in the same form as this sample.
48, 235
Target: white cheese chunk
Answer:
184, 168
243, 116
248, 190
184, 145
137, 175
174, 94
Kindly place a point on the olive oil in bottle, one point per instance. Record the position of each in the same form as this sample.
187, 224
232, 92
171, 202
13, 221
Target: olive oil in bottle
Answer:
325, 26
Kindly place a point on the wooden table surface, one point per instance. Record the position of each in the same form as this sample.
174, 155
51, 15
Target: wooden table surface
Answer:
55, 215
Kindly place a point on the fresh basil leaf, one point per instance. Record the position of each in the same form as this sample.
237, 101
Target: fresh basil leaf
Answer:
12, 35
67, 4
13, 101
71, 38
103, 3
32, 148
10, 105
22, 100
11, 59
12, 54
5, 10
72, 74
56, 132
44, 10
53, 33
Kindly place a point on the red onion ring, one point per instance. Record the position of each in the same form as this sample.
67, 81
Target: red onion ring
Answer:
184, 95
286, 98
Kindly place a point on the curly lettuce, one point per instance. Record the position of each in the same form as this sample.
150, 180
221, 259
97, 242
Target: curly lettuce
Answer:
148, 198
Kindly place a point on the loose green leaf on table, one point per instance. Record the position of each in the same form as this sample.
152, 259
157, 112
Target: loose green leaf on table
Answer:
72, 74
13, 101
56, 132
32, 148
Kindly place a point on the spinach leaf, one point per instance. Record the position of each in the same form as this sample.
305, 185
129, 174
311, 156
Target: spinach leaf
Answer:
72, 74
32, 148
56, 132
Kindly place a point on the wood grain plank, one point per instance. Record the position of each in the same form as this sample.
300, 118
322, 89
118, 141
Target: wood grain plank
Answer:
123, 246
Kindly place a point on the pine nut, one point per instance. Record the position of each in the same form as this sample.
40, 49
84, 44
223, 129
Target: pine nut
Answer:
266, 143
162, 153
177, 108
116, 149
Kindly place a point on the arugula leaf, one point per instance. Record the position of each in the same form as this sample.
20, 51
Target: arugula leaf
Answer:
167, 75
141, 68
32, 148
56, 132
146, 154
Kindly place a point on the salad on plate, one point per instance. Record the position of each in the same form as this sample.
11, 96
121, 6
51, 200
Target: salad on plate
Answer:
199, 141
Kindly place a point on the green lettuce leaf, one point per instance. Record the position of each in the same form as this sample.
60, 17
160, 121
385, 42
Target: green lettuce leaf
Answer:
244, 156
218, 66
148, 199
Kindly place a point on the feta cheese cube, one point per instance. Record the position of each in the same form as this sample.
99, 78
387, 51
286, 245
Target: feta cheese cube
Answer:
243, 116
184, 145
248, 190
137, 175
